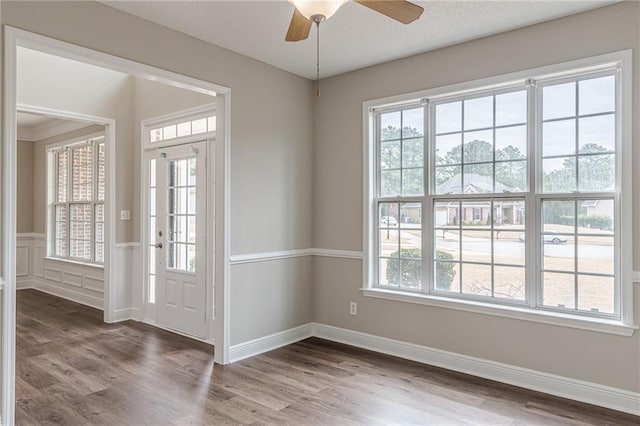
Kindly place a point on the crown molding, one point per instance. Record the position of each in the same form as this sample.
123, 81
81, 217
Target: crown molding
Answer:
45, 131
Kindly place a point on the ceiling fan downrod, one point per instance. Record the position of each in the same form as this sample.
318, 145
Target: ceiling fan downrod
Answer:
317, 19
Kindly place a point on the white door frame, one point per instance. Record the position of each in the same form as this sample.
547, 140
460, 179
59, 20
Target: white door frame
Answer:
149, 311
109, 200
14, 38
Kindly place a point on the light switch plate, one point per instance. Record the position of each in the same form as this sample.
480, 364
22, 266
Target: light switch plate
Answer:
125, 214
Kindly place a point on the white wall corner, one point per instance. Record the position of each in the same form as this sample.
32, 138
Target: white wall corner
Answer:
565, 387
126, 282
125, 315
268, 343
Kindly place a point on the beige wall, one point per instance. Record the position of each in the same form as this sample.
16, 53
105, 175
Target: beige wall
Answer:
597, 357
152, 99
25, 187
271, 146
61, 84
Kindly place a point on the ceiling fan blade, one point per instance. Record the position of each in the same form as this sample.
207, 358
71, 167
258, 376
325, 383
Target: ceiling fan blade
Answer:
400, 10
298, 28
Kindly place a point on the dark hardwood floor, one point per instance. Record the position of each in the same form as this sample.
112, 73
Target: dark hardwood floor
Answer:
73, 369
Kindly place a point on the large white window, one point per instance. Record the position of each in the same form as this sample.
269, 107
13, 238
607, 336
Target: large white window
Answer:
76, 201
508, 193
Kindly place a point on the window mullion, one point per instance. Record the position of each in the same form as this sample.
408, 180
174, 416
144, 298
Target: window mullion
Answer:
427, 201
94, 193
69, 198
533, 206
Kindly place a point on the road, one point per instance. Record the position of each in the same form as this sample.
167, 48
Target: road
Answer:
516, 248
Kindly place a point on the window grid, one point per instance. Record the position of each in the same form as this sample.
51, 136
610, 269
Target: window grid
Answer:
184, 128
181, 215
78, 202
151, 244
589, 229
403, 262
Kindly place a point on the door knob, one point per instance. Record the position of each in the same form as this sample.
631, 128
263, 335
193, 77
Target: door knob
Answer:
158, 245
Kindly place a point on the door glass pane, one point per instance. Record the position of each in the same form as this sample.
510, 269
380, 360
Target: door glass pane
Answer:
181, 214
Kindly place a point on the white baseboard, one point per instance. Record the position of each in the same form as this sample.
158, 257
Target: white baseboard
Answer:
24, 284
269, 343
156, 325
74, 296
124, 315
565, 387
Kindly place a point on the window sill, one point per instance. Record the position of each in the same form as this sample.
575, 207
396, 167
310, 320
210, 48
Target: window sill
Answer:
75, 262
544, 317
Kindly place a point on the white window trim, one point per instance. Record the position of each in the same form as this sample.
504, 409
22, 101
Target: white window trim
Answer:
51, 174
190, 114
625, 326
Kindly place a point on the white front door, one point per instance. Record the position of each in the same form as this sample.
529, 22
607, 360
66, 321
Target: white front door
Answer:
180, 238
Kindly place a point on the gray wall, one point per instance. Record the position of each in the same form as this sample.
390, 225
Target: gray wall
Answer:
597, 357
271, 167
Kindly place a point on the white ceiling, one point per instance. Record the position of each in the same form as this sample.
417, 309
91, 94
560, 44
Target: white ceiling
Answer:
31, 121
35, 127
355, 37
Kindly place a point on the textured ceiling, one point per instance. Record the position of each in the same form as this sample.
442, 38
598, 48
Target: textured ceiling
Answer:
355, 37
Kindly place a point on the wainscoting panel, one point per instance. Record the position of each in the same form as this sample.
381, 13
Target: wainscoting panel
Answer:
70, 280
23, 260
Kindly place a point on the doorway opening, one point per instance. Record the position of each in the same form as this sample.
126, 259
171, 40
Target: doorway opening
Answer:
121, 247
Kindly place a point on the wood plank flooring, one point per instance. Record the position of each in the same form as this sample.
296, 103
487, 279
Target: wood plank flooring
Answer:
73, 369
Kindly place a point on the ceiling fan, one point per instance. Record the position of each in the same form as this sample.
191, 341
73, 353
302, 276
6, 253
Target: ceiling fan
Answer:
317, 11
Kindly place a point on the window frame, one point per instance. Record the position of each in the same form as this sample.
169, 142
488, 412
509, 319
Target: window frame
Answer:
53, 150
192, 114
532, 309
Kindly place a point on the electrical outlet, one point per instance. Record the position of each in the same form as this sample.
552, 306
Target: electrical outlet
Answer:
353, 308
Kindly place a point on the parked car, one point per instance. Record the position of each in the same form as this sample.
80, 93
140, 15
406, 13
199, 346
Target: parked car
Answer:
550, 237
388, 221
